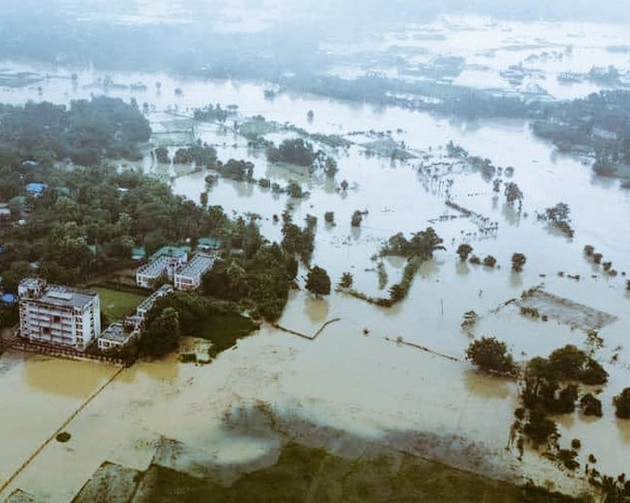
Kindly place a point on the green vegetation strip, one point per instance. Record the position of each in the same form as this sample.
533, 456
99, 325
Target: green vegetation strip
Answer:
307, 474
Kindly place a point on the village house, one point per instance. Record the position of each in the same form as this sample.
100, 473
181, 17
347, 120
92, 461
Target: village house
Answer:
58, 315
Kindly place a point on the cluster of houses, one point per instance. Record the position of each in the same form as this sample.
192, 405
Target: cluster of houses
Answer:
71, 317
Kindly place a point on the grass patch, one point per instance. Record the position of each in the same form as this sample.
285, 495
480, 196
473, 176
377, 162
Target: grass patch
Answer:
307, 474
115, 304
223, 330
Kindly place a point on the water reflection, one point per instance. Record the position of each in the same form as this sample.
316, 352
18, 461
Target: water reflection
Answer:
316, 309
623, 425
487, 387
462, 267
56, 376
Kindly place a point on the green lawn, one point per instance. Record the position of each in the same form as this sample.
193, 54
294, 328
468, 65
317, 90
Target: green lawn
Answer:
115, 305
223, 330
308, 474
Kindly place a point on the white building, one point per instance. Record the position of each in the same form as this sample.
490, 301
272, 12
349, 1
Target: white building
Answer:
189, 276
58, 315
118, 335
163, 263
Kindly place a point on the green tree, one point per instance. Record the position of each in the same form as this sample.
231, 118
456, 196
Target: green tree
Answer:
489, 261
622, 404
513, 193
161, 154
490, 355
346, 280
590, 405
518, 261
463, 250
161, 333
539, 429
318, 281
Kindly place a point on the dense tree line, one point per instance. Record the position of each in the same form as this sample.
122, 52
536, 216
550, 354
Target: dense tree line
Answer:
259, 280
86, 132
601, 121
89, 220
292, 151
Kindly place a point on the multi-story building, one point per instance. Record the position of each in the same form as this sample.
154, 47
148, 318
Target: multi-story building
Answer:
189, 276
162, 263
58, 315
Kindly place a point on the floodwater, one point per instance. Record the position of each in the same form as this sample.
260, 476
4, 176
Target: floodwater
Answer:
367, 385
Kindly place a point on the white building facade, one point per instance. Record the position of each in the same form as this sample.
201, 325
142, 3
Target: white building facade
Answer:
189, 276
58, 315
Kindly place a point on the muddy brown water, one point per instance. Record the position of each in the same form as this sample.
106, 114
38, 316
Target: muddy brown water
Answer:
362, 384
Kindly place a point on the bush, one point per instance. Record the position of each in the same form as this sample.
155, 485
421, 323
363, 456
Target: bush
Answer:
538, 429
489, 261
490, 355
622, 404
591, 406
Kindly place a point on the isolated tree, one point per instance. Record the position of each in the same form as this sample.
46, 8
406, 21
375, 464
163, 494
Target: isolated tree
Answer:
539, 429
622, 404
346, 280
490, 355
489, 261
463, 250
330, 167
329, 217
161, 154
357, 218
512, 193
590, 405
318, 281
518, 261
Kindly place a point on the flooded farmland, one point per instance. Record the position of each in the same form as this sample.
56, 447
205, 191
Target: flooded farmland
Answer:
393, 377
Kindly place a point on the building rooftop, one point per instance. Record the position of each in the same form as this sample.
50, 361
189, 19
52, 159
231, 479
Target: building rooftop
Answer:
35, 188
138, 253
209, 243
171, 251
154, 268
147, 303
55, 295
198, 265
64, 296
116, 332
